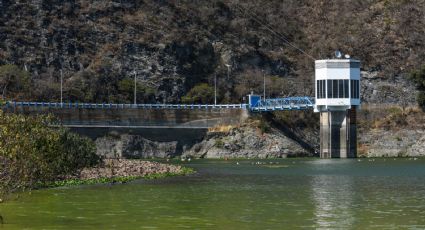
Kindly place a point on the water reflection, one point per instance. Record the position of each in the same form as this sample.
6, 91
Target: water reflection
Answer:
333, 197
293, 194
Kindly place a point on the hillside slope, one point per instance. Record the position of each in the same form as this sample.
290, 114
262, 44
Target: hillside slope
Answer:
171, 46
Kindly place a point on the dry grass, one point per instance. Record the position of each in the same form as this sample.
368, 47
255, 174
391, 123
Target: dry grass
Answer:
221, 129
391, 117
362, 149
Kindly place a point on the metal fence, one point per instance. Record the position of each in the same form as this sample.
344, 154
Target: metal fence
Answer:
288, 103
76, 105
275, 104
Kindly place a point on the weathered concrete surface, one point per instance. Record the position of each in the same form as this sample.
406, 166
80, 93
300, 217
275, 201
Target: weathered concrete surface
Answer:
167, 118
142, 133
338, 134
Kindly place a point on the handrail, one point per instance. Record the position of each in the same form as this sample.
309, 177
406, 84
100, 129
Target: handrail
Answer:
77, 105
273, 104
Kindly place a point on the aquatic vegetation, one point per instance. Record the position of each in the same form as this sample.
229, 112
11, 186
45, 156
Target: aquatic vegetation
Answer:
112, 180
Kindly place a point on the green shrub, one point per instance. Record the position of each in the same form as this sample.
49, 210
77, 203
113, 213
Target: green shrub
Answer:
264, 126
32, 153
219, 143
144, 93
418, 76
395, 110
13, 81
202, 93
421, 99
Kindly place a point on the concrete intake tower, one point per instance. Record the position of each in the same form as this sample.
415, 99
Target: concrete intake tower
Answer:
337, 88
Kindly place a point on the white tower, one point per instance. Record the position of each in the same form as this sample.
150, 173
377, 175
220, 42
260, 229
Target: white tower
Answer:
337, 98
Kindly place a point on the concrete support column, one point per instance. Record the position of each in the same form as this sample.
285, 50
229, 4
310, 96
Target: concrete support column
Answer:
352, 132
338, 137
325, 142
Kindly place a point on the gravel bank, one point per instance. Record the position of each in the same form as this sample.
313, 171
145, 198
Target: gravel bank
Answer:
111, 168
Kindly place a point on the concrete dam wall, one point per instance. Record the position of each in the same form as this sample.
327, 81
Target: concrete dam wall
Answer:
139, 118
140, 133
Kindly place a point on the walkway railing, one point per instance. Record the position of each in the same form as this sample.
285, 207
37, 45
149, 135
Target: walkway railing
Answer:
276, 104
288, 103
76, 105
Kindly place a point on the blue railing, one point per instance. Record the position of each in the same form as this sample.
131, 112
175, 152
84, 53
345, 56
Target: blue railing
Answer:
76, 105
275, 104
288, 103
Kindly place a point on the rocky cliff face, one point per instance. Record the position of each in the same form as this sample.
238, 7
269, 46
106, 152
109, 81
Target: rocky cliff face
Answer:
134, 146
390, 131
173, 45
247, 142
396, 91
400, 143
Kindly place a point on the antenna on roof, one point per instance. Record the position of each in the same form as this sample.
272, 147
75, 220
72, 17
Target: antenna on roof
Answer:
338, 54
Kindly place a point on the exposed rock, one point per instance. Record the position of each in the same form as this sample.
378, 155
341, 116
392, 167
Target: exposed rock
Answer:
390, 130
375, 90
392, 143
247, 142
134, 146
418, 148
173, 45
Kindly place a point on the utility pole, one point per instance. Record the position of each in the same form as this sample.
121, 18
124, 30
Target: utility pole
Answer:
264, 86
61, 88
228, 71
215, 89
135, 88
228, 76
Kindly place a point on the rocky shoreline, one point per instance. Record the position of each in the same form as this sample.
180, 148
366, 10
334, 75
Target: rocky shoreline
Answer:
122, 170
247, 141
391, 131
383, 131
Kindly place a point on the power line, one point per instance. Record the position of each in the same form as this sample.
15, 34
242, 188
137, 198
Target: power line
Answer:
269, 28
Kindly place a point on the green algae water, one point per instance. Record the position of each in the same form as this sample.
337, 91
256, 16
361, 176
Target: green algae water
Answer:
276, 194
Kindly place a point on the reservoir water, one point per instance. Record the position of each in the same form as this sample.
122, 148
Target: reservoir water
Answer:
276, 194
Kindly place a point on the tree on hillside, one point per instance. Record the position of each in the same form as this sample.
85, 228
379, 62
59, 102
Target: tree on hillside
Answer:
418, 76
13, 80
201, 93
145, 93
252, 80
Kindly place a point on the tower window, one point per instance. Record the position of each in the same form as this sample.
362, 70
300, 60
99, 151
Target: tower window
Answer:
346, 89
329, 89
321, 89
340, 88
334, 88
355, 89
